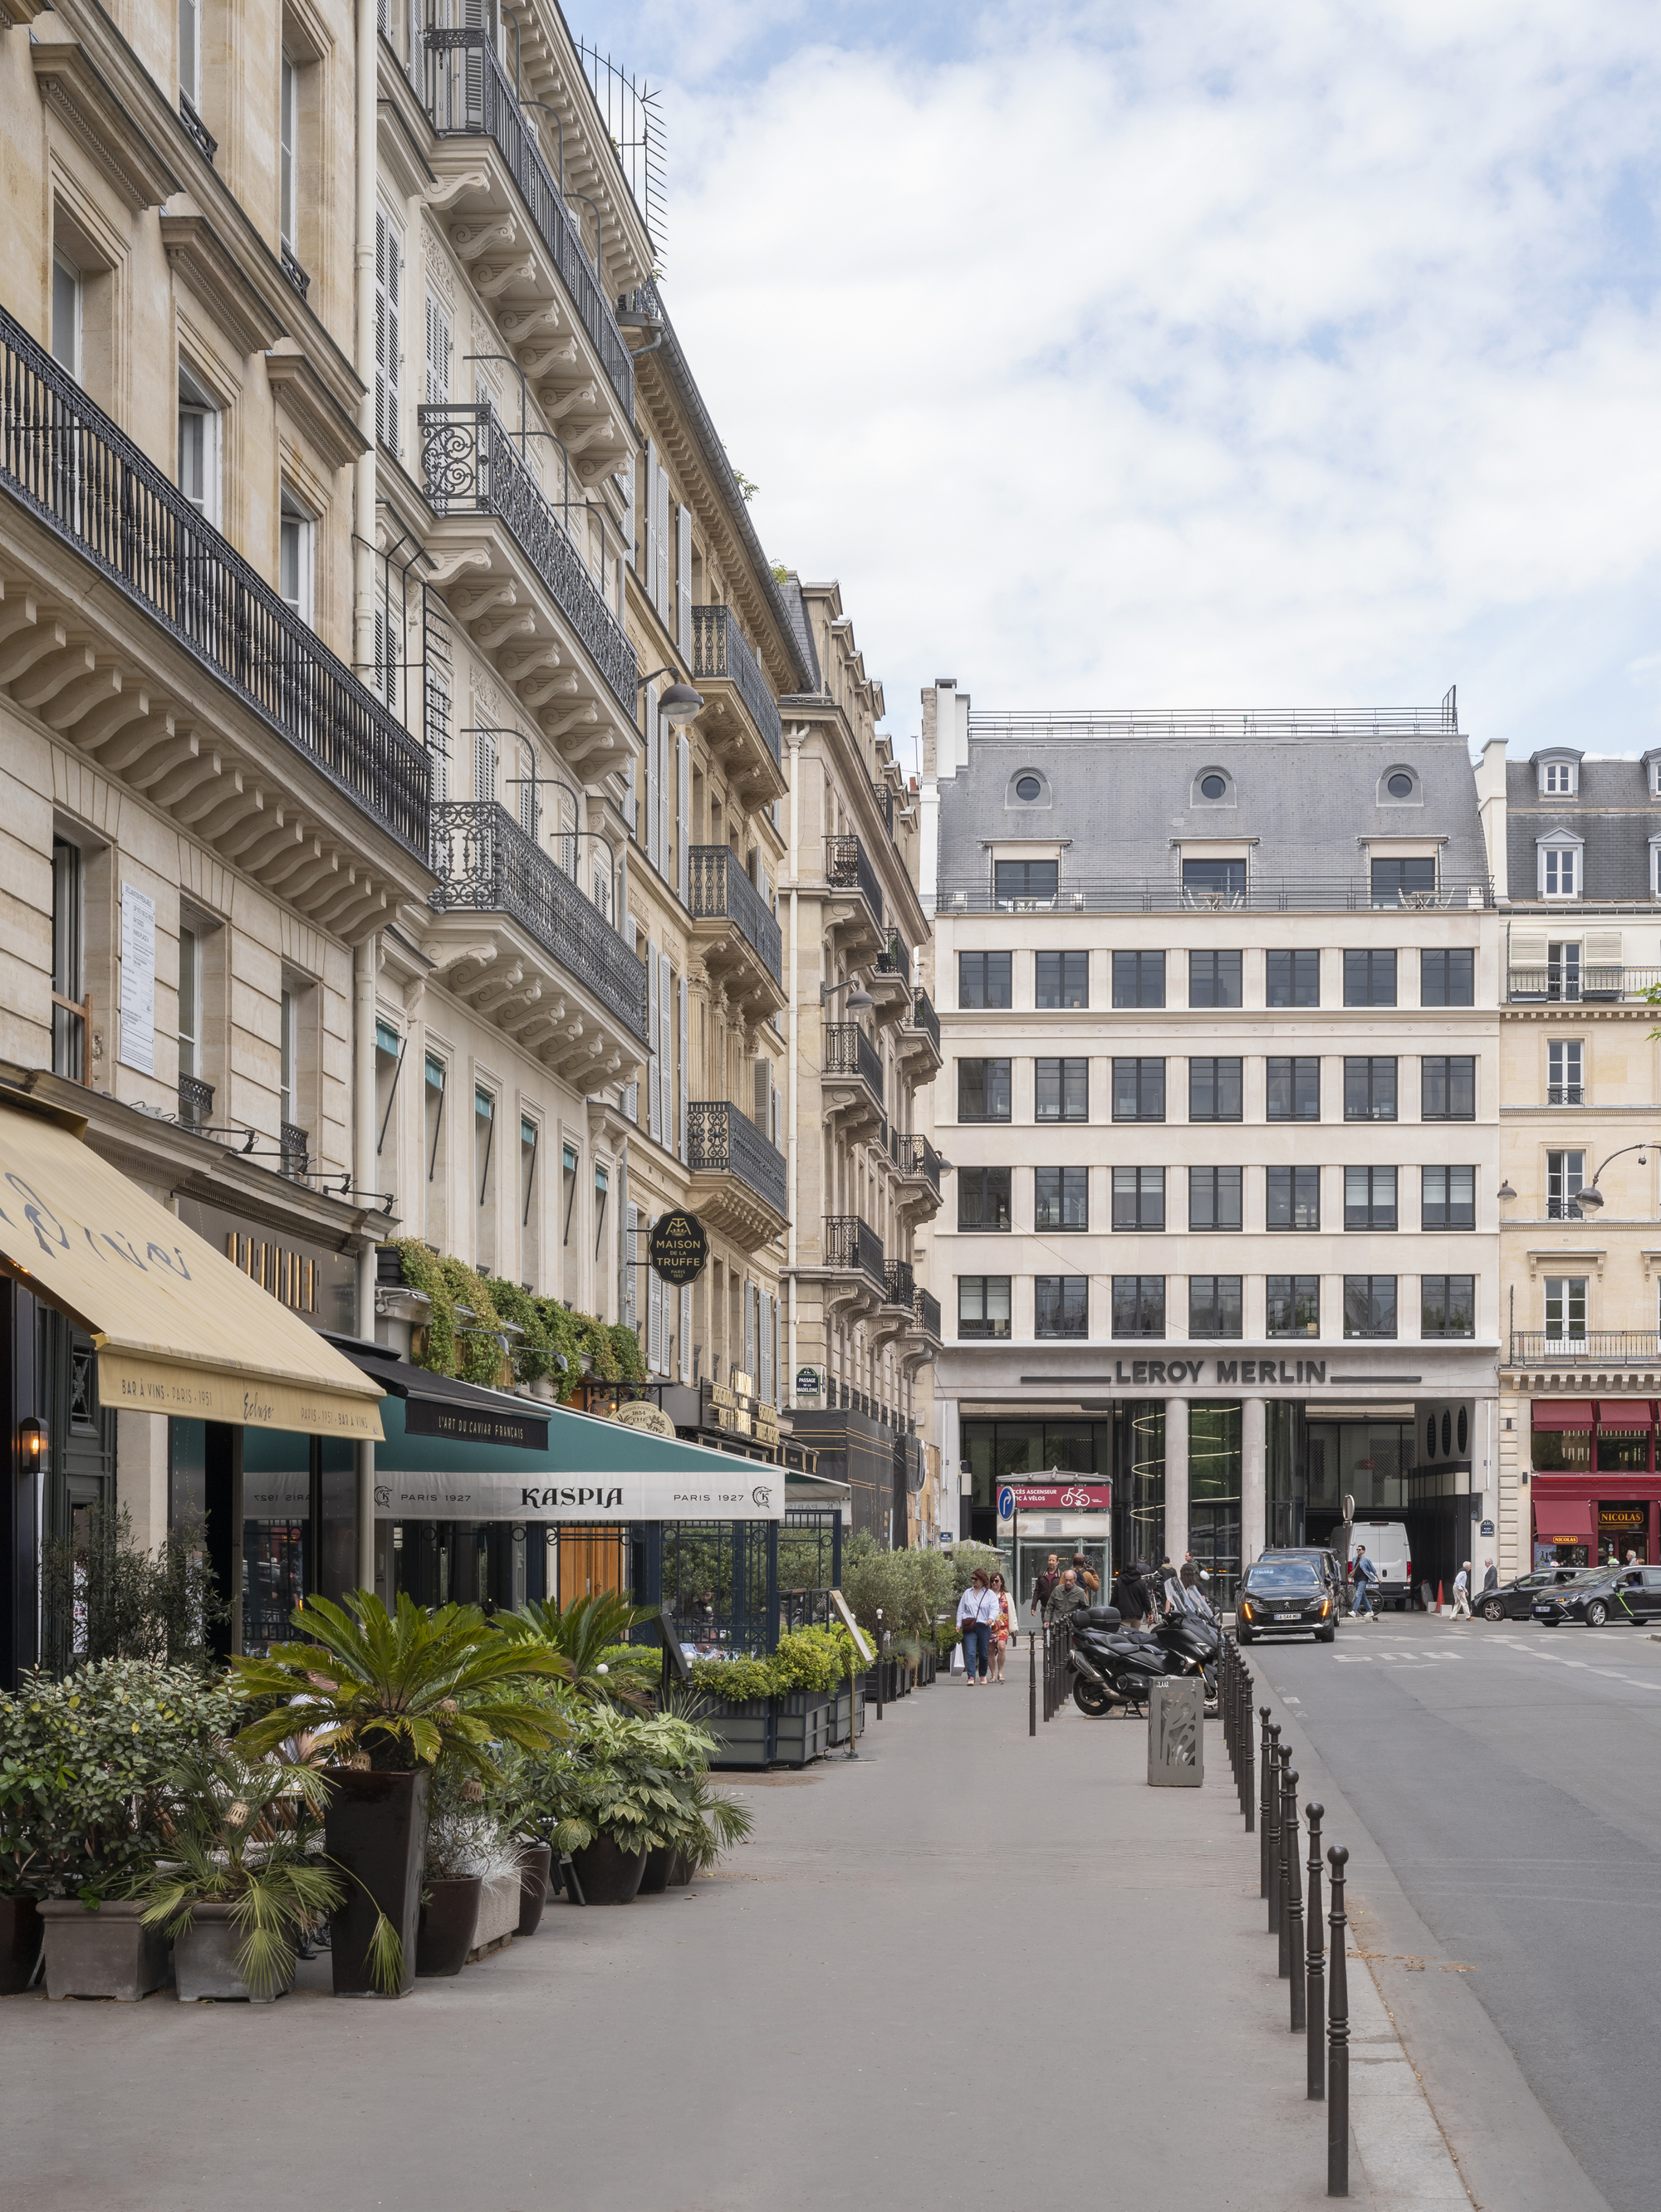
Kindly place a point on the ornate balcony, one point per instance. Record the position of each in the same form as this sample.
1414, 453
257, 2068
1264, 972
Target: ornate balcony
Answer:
738, 1177
901, 1284
737, 938
854, 912
888, 978
851, 1271
851, 1078
740, 717
195, 1103
528, 950
929, 1315
919, 1167
917, 1040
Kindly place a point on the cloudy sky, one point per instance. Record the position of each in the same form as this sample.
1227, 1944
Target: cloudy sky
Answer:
1182, 352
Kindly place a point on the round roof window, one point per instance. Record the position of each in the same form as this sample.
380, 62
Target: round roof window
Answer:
1400, 787
1211, 787
1027, 786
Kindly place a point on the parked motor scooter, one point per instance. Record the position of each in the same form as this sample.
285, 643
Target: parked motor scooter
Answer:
1114, 1665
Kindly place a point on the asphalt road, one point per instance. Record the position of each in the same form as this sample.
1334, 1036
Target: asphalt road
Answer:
1512, 1778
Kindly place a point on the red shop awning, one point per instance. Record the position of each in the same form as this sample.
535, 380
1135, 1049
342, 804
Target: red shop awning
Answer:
1562, 1412
1625, 1413
1562, 1520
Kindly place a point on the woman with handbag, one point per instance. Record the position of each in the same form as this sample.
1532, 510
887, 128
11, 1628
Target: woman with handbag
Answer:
1003, 1625
976, 1609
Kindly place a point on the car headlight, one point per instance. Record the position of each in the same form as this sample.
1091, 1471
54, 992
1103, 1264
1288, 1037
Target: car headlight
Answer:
1326, 1607
1245, 1609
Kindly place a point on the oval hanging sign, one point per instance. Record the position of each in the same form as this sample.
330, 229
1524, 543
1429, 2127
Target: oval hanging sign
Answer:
678, 1247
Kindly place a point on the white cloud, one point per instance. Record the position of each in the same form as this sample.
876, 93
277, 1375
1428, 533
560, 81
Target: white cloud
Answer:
1193, 354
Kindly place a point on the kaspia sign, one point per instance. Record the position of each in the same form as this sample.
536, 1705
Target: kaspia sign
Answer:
678, 1247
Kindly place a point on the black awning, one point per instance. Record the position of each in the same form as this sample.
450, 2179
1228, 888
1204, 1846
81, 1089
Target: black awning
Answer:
434, 1403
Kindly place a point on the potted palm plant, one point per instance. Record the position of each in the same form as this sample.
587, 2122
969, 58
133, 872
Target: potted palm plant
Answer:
382, 1696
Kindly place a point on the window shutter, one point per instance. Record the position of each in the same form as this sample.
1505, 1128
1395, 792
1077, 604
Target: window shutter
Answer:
665, 801
648, 548
770, 1307
485, 764
750, 1331
628, 1300
681, 1062
649, 840
654, 1324
625, 476
762, 1114
684, 816
684, 582
665, 1044
630, 797
660, 581
1602, 948
653, 1116
438, 354
386, 335
631, 1102
686, 1332
1527, 948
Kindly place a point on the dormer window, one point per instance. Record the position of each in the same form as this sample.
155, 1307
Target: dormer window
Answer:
1557, 772
1559, 778
1559, 860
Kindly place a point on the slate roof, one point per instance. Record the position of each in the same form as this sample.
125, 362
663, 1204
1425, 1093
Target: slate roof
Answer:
802, 629
1612, 810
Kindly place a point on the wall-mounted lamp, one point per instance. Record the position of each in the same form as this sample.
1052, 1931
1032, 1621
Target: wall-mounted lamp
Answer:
1505, 1192
32, 1440
859, 1002
679, 703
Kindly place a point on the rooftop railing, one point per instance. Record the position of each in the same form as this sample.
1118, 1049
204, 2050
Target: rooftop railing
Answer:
1441, 721
1631, 1346
1569, 981
848, 867
1260, 895
63, 460
720, 1140
721, 651
719, 890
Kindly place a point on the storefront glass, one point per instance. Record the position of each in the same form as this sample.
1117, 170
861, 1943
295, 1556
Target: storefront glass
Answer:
1623, 1451
1561, 1451
1213, 1493
1286, 1475
1623, 1527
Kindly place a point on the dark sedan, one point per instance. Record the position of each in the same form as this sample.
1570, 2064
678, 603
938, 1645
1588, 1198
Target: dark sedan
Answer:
1601, 1594
1285, 1594
1515, 1601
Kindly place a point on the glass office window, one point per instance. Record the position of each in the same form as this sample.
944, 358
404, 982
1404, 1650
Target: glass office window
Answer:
1291, 1090
1061, 979
1292, 1198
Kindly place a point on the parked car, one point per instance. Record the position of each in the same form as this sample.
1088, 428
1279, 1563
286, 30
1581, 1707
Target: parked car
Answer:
1515, 1601
1387, 1546
1326, 1564
1599, 1594
1285, 1594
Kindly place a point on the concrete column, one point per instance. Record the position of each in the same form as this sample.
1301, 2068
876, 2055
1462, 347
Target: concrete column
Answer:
1254, 1461
1176, 1479
947, 1435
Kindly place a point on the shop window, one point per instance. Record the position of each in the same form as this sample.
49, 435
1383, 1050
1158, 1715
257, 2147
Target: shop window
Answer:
1292, 979
1062, 1306
983, 1198
1061, 1089
1213, 1198
1292, 1088
1292, 1198
1370, 977
1369, 1089
1447, 977
983, 980
1624, 1451
1214, 1090
983, 1090
1060, 1198
1561, 1451
1293, 1305
982, 1305
1139, 1091
1060, 979
1213, 979
1139, 1305
1138, 1199
1139, 979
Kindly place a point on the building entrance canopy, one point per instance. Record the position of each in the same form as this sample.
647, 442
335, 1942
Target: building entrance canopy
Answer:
178, 1329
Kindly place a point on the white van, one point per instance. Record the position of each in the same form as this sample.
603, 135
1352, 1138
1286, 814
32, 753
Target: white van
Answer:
1386, 1543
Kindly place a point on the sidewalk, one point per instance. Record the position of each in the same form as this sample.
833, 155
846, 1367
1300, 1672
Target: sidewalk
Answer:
964, 1968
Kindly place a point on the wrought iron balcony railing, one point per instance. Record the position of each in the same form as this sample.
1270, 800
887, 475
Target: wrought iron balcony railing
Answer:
901, 1282
720, 1140
292, 270
486, 863
195, 1102
1630, 1347
915, 1156
721, 652
1569, 981
851, 1242
473, 466
894, 959
928, 1311
884, 799
847, 866
849, 1051
468, 95
720, 891
64, 460
295, 1145
924, 1017
206, 143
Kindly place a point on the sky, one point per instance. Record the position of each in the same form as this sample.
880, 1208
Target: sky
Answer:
1190, 353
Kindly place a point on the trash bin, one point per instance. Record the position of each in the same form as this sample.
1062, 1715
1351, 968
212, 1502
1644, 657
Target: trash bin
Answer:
1176, 1733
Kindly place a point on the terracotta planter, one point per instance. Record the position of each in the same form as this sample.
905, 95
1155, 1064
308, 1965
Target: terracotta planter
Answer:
376, 1833
660, 1866
19, 1943
101, 1951
534, 1861
204, 1961
449, 1915
607, 1874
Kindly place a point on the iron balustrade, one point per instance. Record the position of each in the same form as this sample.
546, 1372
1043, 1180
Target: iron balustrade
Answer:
1569, 982
486, 863
721, 651
884, 799
473, 465
292, 270
1629, 1346
851, 1242
924, 1017
902, 1285
1261, 895
719, 890
848, 867
206, 144
914, 1156
720, 1140
195, 1102
849, 1051
894, 959
926, 1308
468, 96
295, 1145
63, 460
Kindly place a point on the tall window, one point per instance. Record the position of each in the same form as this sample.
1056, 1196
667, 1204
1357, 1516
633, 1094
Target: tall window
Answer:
1369, 1305
1370, 978
1565, 1174
982, 1197
1061, 979
1292, 1198
1448, 1305
190, 1001
485, 764
1061, 1305
1293, 1305
189, 52
1214, 883
1139, 1091
983, 979
1447, 978
69, 1031
1566, 1072
1024, 883
484, 1130
1061, 1089
198, 447
1369, 1089
296, 546
1563, 970
1213, 979
1448, 1198
1138, 1198
436, 1210
1213, 1198
1369, 1198
1558, 871
66, 315
1566, 1309
1215, 1307
1293, 1089
982, 1090
1448, 1088
1397, 882
1139, 979
1139, 1305
1294, 979
288, 154
1213, 1090
1060, 1198
982, 1305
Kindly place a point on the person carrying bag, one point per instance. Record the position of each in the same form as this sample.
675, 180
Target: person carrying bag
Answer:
977, 1608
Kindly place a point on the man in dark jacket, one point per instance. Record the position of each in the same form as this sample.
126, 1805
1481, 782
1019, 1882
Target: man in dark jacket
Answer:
1043, 1585
1066, 1600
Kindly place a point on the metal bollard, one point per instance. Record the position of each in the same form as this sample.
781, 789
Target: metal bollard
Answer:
1248, 1782
1315, 2003
1032, 1684
1272, 1808
1286, 1858
1338, 2038
1294, 1906
1262, 1807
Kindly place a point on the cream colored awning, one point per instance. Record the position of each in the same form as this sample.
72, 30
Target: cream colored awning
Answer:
179, 1330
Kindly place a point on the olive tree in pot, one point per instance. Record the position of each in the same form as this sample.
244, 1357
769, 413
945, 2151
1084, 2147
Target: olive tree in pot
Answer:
385, 1695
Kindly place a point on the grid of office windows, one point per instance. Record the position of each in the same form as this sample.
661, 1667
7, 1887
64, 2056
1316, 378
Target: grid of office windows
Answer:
1139, 979
982, 1090
1448, 1087
1061, 979
1293, 1305
982, 1305
1139, 1091
1369, 1305
1369, 1198
1369, 1089
1061, 1089
1139, 1198
1447, 1305
1213, 1090
1139, 1305
984, 979
1292, 979
1292, 1198
1060, 1198
1213, 1198
1214, 1305
1447, 978
1213, 979
1448, 1198
982, 1197
1292, 1089
1061, 1305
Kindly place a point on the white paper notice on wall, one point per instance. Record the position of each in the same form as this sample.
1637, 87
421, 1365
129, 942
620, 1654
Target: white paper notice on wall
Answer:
137, 980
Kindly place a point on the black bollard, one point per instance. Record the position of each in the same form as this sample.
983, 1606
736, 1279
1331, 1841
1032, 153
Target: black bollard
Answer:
1032, 1685
1248, 1780
1338, 2038
1294, 1905
1262, 1807
1285, 1858
1272, 1795
1315, 2003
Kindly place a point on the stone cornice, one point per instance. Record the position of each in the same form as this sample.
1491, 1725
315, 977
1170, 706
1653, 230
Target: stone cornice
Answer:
306, 400
200, 256
91, 112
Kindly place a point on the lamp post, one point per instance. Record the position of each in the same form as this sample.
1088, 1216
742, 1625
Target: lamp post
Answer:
679, 703
859, 1001
1590, 1195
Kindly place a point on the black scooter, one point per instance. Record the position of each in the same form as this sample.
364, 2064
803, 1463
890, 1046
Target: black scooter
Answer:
1112, 1665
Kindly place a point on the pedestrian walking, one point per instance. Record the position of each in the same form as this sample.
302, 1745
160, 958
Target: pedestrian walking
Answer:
1364, 1574
1490, 1577
976, 1609
1461, 1593
1089, 1581
1068, 1600
1043, 1585
1004, 1626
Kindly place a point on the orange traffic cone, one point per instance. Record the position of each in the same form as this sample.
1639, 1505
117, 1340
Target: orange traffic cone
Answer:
1441, 1607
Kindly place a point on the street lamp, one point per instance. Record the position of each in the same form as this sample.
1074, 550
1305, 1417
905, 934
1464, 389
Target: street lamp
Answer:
679, 703
1589, 1195
859, 1002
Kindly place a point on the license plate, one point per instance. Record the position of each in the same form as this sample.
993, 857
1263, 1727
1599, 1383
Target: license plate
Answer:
1286, 1616
1543, 1610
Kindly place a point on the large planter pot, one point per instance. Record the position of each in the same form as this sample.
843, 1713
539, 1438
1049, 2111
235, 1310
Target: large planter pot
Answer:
848, 1709
499, 1904
534, 1861
449, 1917
607, 1874
660, 1866
376, 1833
19, 1944
801, 1729
745, 1733
680, 1869
101, 1951
204, 1961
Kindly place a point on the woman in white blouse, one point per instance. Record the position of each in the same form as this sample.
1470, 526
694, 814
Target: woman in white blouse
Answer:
977, 1608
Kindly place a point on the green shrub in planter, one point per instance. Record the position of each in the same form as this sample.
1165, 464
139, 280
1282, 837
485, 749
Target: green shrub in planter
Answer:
587, 1635
734, 1681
